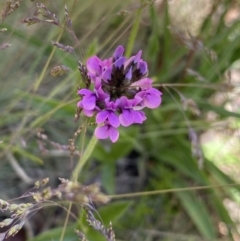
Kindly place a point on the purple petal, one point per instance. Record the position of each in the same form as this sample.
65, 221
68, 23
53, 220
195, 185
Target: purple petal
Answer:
93, 65
136, 100
126, 118
128, 62
139, 117
113, 119
79, 104
129, 74
113, 134
137, 57
102, 116
107, 74
123, 102
97, 82
144, 83
101, 132
142, 66
88, 113
154, 91
118, 52
106, 63
89, 103
120, 62
101, 95
118, 102
152, 101
85, 92
111, 105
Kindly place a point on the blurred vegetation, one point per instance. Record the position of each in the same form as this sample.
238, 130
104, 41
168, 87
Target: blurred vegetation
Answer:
191, 65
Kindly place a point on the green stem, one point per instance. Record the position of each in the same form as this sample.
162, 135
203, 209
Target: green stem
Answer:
83, 159
66, 221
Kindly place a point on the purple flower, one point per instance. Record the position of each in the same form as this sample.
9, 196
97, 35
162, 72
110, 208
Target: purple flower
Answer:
89, 99
151, 98
105, 131
101, 95
106, 76
120, 62
121, 90
94, 67
142, 66
144, 84
88, 113
128, 75
139, 117
129, 115
137, 57
118, 52
108, 114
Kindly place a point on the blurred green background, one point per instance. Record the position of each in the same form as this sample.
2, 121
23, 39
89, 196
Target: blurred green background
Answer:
192, 139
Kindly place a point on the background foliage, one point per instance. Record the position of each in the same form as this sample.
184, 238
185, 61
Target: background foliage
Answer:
193, 59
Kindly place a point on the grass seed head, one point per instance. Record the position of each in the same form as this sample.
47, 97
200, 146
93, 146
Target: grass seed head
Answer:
6, 222
13, 207
41, 183
80, 235
68, 21
4, 205
108, 233
11, 6
14, 229
63, 47
31, 21
59, 70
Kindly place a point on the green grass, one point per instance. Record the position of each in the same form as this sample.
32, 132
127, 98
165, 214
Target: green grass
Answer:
154, 156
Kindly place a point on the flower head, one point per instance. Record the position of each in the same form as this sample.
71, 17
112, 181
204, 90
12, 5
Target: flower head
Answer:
105, 131
120, 91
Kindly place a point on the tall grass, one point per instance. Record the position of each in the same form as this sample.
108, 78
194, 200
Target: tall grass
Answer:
180, 192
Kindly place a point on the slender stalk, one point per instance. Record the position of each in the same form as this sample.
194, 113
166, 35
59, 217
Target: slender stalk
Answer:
66, 221
83, 159
70, 204
39, 80
133, 33
184, 189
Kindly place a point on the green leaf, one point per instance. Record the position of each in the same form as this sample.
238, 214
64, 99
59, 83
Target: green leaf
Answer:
47, 105
133, 33
181, 159
117, 150
23, 153
28, 155
108, 177
220, 176
197, 212
92, 48
113, 211
55, 233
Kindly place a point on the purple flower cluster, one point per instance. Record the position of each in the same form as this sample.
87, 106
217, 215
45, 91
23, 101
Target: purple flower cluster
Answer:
120, 91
